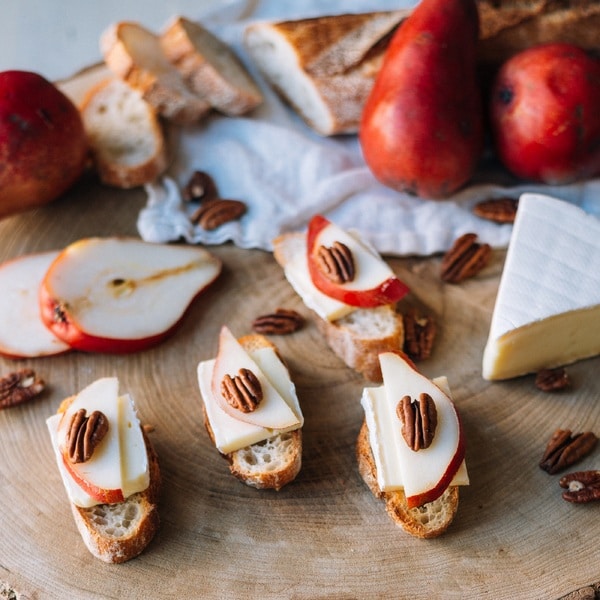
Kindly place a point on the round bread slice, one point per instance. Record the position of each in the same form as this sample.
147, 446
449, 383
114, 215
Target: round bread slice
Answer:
427, 521
274, 462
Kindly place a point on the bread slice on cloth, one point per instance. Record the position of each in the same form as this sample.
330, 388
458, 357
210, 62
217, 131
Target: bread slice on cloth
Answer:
125, 135
135, 55
210, 67
116, 533
269, 464
427, 521
359, 337
323, 67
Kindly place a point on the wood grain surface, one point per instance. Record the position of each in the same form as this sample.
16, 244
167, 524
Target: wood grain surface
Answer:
324, 535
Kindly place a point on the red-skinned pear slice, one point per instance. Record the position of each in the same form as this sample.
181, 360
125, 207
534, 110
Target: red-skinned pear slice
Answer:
273, 412
122, 294
374, 283
22, 332
427, 473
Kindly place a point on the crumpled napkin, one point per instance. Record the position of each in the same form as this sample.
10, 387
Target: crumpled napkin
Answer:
286, 173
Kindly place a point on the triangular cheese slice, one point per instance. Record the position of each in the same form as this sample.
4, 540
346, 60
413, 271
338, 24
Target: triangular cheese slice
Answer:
547, 310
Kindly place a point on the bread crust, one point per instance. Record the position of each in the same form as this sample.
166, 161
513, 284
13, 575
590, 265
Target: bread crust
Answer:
292, 441
429, 521
123, 548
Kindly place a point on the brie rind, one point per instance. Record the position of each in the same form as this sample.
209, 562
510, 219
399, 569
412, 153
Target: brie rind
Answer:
387, 443
547, 310
120, 461
231, 434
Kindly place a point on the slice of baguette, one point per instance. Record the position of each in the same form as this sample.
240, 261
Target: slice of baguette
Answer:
125, 135
427, 521
135, 55
324, 67
359, 337
269, 464
210, 67
116, 533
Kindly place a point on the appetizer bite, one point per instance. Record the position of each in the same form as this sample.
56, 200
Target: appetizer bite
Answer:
109, 469
251, 410
411, 448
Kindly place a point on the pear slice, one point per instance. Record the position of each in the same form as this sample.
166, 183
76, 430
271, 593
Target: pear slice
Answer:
122, 294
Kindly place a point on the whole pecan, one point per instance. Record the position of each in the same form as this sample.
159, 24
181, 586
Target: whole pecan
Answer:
281, 322
84, 434
552, 380
581, 486
200, 187
419, 421
242, 391
465, 259
565, 449
499, 210
419, 333
216, 212
19, 387
336, 262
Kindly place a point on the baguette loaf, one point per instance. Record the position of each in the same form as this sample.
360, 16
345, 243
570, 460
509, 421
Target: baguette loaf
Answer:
125, 135
269, 464
135, 55
359, 337
427, 521
325, 67
210, 67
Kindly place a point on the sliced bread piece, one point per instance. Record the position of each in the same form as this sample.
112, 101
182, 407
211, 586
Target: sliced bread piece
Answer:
116, 533
125, 135
427, 521
358, 337
135, 55
269, 464
324, 67
210, 67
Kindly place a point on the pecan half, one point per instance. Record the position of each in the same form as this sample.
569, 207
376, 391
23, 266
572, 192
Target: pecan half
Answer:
281, 322
552, 380
419, 333
200, 187
499, 210
565, 449
419, 421
336, 262
84, 434
19, 387
216, 212
581, 486
465, 259
242, 391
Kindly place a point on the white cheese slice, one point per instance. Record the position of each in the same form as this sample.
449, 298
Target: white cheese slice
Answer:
387, 444
231, 434
135, 470
547, 310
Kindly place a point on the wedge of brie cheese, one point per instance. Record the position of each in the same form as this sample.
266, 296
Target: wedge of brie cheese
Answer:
547, 310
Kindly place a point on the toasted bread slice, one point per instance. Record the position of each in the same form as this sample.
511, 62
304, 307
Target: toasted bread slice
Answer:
427, 521
116, 533
210, 67
359, 337
125, 135
269, 464
135, 55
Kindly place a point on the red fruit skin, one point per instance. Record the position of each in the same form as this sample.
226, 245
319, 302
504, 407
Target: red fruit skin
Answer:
545, 114
422, 126
43, 146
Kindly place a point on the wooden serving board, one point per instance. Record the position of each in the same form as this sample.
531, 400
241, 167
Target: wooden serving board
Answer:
324, 535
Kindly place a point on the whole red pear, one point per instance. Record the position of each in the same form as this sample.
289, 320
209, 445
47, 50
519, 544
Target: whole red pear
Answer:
545, 114
43, 147
422, 125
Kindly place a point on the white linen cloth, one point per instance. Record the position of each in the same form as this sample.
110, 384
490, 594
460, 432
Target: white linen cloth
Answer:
286, 173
